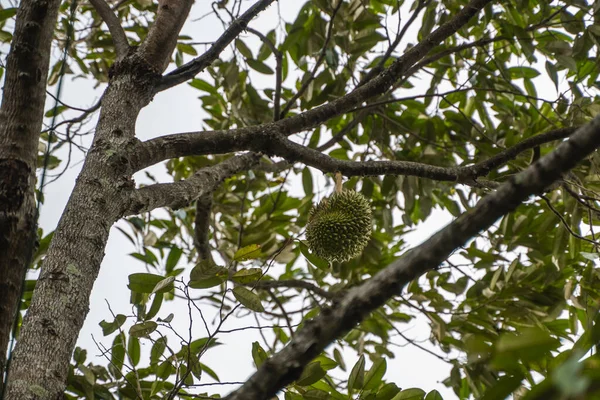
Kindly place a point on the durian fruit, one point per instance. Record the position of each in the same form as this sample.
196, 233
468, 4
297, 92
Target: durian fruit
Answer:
339, 227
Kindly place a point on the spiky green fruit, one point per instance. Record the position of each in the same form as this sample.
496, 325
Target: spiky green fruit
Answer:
339, 227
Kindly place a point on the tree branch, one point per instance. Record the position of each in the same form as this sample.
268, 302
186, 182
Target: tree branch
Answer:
287, 365
261, 140
294, 283
202, 225
114, 26
162, 38
194, 67
386, 79
182, 193
483, 168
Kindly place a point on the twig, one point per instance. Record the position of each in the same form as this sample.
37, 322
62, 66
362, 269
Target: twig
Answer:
202, 225
278, 70
313, 73
566, 224
192, 68
114, 26
294, 283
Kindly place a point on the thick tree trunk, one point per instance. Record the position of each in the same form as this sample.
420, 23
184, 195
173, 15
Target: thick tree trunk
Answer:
21, 116
60, 302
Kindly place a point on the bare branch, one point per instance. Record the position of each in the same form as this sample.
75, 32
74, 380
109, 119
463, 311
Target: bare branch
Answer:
256, 139
287, 365
182, 193
114, 26
162, 38
294, 283
202, 225
194, 67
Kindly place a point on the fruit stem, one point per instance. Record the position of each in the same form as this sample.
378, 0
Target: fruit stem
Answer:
338, 182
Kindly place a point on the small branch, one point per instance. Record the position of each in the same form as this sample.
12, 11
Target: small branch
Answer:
409, 340
288, 321
158, 46
345, 130
180, 194
258, 138
202, 225
194, 67
313, 73
483, 168
286, 366
278, 70
380, 65
296, 284
114, 26
443, 53
566, 224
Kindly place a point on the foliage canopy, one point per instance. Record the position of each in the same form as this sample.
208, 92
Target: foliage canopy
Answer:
514, 311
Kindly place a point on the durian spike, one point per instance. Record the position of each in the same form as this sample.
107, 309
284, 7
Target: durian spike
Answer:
338, 182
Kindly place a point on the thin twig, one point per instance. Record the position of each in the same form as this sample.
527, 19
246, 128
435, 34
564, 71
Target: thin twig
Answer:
316, 67
114, 26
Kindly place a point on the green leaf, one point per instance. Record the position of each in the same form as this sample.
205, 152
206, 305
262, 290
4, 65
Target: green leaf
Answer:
375, 374
207, 274
307, 182
110, 327
145, 283
388, 391
203, 85
259, 66
337, 355
7, 13
529, 345
357, 375
155, 307
410, 394
503, 388
187, 49
434, 395
166, 285
164, 370
143, 329
311, 374
158, 348
247, 275
248, 299
173, 258
210, 372
117, 353
567, 61
523, 72
133, 350
247, 253
259, 355
243, 49
314, 260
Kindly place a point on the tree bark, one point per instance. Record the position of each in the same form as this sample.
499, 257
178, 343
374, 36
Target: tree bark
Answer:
61, 299
21, 116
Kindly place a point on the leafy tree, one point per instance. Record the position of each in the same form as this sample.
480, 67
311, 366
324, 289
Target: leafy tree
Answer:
467, 112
